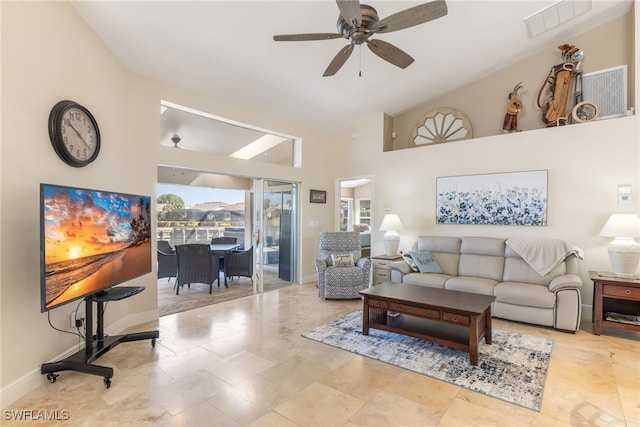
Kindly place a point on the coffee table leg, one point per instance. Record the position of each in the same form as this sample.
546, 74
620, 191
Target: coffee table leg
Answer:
365, 316
488, 334
473, 341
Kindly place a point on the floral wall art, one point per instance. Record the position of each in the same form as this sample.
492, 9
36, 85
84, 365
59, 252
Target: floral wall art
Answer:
512, 198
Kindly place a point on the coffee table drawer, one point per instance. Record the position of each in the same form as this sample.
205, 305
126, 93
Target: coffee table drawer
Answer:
460, 319
415, 311
377, 303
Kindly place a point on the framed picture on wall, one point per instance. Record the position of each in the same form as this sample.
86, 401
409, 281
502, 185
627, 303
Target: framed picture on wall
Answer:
512, 198
318, 196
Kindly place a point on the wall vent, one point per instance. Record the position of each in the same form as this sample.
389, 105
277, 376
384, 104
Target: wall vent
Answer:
608, 89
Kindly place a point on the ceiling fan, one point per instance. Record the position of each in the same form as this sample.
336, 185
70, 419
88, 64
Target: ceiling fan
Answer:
358, 22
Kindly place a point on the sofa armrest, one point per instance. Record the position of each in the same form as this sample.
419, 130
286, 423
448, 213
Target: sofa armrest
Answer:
567, 281
401, 266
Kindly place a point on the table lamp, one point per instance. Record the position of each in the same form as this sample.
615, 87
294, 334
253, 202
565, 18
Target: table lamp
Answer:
391, 224
624, 251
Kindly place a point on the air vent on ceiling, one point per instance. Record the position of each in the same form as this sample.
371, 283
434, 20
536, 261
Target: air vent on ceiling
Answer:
555, 15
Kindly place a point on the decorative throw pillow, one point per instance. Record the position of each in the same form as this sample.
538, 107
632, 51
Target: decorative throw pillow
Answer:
425, 262
342, 260
410, 261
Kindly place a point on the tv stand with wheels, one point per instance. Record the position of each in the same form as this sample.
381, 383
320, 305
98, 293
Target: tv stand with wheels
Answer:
97, 345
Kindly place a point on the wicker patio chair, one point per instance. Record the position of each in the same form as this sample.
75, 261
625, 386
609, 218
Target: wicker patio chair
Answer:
239, 264
167, 262
196, 265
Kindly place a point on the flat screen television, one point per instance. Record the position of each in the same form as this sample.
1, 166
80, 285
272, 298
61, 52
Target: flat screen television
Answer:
90, 240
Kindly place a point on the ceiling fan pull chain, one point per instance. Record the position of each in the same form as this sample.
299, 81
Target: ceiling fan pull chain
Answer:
360, 66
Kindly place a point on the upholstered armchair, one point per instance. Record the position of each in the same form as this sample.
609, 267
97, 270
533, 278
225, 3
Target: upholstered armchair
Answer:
342, 272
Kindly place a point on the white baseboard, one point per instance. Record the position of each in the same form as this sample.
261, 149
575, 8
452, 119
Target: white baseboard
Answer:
35, 379
309, 279
586, 313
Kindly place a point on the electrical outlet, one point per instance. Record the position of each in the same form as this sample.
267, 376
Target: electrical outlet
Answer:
76, 320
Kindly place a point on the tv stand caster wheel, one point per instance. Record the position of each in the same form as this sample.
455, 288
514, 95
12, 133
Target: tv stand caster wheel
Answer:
107, 382
52, 377
153, 342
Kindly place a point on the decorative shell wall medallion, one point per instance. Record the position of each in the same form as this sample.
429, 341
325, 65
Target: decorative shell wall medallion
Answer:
442, 125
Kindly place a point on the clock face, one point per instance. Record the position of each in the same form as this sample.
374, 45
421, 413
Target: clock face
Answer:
74, 133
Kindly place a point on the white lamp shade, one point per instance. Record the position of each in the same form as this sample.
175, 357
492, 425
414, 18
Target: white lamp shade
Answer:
391, 222
622, 225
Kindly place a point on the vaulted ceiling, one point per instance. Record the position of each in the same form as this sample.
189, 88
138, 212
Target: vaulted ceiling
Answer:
225, 49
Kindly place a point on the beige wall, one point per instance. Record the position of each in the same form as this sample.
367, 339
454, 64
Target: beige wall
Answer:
483, 102
39, 68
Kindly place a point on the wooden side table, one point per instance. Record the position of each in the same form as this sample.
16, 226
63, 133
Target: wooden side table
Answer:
381, 269
614, 294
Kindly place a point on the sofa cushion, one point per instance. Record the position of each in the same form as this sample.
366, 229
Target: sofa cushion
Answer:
482, 246
476, 285
517, 270
432, 280
533, 315
344, 276
488, 267
482, 257
445, 250
425, 262
525, 294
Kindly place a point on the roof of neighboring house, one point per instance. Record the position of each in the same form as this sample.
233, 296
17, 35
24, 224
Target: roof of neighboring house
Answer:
235, 207
210, 206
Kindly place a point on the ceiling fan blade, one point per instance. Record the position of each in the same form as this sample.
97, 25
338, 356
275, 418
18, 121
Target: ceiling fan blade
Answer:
306, 37
410, 17
338, 61
390, 53
350, 11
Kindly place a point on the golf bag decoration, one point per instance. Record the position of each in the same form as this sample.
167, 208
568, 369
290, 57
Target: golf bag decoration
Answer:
559, 82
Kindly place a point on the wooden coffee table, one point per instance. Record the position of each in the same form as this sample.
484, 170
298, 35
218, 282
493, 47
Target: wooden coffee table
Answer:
455, 319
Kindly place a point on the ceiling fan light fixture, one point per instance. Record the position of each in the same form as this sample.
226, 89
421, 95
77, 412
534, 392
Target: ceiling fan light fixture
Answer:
176, 140
358, 22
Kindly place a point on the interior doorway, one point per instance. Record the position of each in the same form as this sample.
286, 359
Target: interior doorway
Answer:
355, 209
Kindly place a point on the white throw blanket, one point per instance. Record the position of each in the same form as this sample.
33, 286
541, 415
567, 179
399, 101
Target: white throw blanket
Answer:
543, 255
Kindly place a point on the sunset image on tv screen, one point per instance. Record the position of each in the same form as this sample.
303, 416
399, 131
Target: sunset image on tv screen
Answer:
92, 240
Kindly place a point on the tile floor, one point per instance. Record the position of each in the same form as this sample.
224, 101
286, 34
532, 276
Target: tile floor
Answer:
244, 362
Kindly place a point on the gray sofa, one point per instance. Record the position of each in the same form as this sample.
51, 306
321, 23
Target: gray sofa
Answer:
525, 291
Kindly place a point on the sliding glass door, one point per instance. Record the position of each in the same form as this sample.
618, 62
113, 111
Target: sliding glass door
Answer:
276, 207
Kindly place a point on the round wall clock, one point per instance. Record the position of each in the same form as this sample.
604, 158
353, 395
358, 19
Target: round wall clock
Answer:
74, 133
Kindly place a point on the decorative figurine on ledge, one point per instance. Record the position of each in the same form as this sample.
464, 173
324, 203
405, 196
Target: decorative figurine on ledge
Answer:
514, 106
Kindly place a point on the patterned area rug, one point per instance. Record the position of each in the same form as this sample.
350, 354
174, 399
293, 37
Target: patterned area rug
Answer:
513, 368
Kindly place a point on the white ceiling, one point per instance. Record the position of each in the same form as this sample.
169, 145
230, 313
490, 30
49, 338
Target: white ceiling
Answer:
198, 131
225, 50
